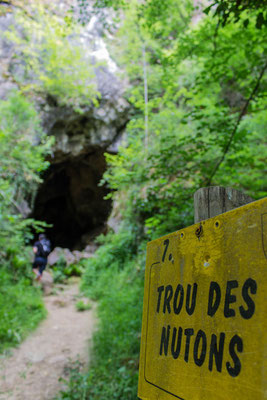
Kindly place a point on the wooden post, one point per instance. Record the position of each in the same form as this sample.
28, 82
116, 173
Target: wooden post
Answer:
215, 200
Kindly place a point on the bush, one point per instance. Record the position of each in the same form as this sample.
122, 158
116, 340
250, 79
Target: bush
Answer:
81, 306
21, 308
61, 271
116, 251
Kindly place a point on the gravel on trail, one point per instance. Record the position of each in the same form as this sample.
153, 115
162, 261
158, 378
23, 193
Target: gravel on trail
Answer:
33, 370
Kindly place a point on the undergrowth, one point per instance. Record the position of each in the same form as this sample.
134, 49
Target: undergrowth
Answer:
62, 271
21, 304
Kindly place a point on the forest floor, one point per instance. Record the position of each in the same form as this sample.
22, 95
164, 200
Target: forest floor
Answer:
33, 369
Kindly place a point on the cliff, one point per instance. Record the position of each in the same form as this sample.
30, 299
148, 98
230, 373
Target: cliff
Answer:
69, 197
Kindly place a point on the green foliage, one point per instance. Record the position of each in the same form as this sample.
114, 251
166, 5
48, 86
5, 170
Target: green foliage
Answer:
77, 382
23, 144
23, 147
116, 251
58, 269
227, 11
54, 58
21, 305
21, 310
82, 306
62, 271
206, 88
74, 270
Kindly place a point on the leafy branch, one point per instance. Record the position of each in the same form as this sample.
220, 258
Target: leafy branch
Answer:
241, 114
54, 63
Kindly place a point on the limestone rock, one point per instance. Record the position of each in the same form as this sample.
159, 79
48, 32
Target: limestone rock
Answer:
69, 257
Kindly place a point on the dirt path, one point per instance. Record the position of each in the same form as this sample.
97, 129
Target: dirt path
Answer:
33, 370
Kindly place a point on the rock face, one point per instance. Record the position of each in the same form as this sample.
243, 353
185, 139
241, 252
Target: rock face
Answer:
6, 52
70, 197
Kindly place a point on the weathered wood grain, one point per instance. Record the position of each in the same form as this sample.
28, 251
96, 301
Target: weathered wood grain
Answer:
215, 200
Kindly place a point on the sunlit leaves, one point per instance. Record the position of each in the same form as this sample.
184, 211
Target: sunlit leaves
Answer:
53, 58
203, 85
236, 10
23, 147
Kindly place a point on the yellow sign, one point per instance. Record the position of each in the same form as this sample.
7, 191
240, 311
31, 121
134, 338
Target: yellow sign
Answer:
204, 320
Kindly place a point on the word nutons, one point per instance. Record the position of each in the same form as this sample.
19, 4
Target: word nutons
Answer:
181, 342
186, 343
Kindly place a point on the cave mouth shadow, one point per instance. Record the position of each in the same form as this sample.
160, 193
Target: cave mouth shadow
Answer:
71, 199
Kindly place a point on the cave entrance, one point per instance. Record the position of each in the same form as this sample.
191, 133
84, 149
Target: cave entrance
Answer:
71, 200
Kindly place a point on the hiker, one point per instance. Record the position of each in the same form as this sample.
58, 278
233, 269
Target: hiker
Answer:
41, 249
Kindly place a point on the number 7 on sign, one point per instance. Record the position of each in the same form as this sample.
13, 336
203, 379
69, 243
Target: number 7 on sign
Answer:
166, 244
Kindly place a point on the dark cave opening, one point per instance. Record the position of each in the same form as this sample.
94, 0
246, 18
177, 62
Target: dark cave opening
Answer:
71, 199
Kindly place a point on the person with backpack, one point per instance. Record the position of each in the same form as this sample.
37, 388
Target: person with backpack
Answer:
41, 250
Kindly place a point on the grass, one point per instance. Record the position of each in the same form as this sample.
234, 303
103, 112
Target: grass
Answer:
21, 309
82, 306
